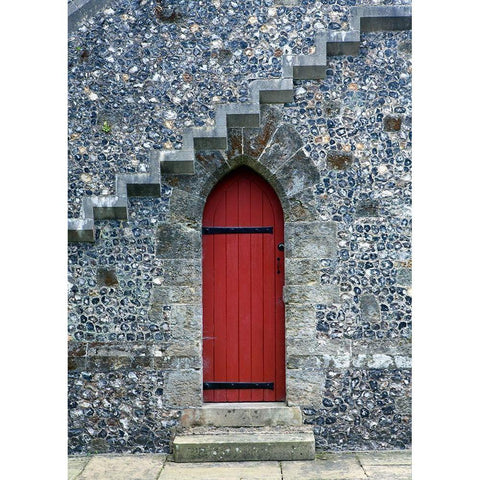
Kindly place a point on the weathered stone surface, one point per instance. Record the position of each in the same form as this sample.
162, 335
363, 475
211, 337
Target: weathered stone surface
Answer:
316, 293
310, 239
392, 457
297, 174
128, 467
370, 308
404, 276
185, 322
210, 160
327, 467
304, 344
285, 143
304, 362
178, 241
305, 387
299, 317
339, 160
76, 466
182, 272
186, 208
168, 295
390, 347
244, 447
182, 389
300, 271
106, 277
235, 142
396, 472
222, 471
392, 123
206, 165
255, 414
255, 140
302, 207
331, 108
367, 208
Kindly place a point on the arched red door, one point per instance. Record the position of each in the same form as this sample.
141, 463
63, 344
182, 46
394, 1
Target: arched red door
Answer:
243, 278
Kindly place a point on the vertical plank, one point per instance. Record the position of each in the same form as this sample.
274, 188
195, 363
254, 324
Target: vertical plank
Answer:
257, 291
231, 294
220, 305
244, 303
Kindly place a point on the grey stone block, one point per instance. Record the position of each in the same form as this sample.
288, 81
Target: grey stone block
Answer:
370, 308
209, 161
178, 241
284, 144
297, 174
302, 270
168, 295
80, 10
182, 272
256, 414
343, 48
316, 293
386, 354
305, 388
404, 277
182, 389
302, 207
183, 165
245, 446
77, 235
310, 240
185, 322
186, 208
373, 18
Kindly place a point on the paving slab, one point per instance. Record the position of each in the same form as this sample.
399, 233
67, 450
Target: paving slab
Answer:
123, 467
392, 472
222, 471
327, 466
398, 457
76, 465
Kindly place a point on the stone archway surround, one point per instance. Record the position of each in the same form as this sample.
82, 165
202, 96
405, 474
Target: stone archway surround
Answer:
274, 151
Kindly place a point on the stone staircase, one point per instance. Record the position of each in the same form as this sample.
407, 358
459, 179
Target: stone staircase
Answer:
234, 432
262, 91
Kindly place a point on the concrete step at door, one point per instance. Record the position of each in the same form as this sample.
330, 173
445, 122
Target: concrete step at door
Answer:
260, 414
256, 444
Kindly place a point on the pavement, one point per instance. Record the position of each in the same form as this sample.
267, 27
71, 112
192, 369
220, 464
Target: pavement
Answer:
371, 465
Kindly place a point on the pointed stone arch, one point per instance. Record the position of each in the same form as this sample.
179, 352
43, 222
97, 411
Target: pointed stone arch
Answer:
276, 152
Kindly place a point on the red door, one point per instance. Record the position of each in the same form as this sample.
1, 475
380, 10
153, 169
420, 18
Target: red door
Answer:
243, 277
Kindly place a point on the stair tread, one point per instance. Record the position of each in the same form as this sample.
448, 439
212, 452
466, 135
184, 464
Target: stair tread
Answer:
261, 430
246, 437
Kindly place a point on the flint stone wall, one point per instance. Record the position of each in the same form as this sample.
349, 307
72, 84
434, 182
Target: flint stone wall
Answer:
135, 302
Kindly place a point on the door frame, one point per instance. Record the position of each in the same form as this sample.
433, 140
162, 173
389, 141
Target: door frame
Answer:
179, 246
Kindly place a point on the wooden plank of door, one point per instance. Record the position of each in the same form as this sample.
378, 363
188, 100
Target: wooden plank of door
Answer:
231, 261
244, 291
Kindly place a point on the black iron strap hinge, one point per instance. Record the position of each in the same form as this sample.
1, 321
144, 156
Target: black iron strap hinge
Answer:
237, 385
218, 230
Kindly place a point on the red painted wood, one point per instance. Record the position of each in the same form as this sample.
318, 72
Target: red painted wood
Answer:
243, 311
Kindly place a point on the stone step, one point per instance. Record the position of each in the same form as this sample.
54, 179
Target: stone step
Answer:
253, 445
255, 414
